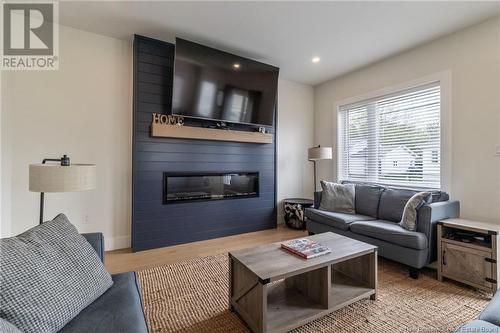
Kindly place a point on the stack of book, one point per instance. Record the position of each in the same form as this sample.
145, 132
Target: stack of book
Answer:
305, 248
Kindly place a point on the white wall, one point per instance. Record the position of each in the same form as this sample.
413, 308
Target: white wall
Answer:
295, 136
3, 228
85, 110
473, 58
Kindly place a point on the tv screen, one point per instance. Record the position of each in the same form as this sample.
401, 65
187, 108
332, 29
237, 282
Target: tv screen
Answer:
216, 85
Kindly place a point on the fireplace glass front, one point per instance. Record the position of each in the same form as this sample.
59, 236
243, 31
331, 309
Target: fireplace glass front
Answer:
181, 187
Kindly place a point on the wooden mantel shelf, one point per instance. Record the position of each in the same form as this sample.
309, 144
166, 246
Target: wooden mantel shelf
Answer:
201, 133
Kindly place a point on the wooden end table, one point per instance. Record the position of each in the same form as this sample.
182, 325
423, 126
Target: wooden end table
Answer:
275, 291
468, 253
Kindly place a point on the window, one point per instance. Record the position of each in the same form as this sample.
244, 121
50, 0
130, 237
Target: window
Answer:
393, 139
435, 156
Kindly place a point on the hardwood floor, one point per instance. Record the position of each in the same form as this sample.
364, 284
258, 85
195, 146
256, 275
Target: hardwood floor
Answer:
125, 260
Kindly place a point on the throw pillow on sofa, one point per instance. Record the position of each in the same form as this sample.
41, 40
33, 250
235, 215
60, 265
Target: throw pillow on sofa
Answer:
409, 219
49, 274
338, 197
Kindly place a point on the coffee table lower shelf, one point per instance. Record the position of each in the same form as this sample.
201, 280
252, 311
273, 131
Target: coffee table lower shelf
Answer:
296, 300
289, 308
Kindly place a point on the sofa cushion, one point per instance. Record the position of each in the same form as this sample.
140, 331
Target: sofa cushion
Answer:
317, 199
49, 274
477, 326
118, 310
96, 240
438, 196
367, 199
390, 232
338, 197
392, 203
492, 311
335, 219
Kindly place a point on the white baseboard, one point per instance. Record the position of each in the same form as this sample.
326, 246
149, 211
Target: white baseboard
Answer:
115, 243
124, 242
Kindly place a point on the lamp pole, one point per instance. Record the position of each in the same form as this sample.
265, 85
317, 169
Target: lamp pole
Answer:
315, 184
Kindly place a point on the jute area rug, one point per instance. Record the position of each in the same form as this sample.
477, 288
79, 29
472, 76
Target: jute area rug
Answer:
192, 296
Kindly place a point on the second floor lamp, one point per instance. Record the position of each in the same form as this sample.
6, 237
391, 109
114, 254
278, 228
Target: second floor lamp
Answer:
317, 153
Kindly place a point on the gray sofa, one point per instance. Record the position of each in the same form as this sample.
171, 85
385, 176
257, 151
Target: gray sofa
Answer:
488, 321
119, 309
378, 212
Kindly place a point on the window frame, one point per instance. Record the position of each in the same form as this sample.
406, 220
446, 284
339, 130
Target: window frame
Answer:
444, 80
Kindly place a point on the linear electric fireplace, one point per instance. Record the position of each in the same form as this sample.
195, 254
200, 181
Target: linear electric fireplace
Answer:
182, 187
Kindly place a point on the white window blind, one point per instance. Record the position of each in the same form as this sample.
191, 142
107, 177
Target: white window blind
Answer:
393, 139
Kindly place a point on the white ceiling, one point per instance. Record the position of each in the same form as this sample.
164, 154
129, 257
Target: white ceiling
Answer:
345, 35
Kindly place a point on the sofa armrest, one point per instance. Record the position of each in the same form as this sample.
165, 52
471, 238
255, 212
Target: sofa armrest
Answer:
317, 199
492, 311
427, 217
96, 239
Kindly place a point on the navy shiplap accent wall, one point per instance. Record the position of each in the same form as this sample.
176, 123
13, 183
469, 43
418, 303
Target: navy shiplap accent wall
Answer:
155, 224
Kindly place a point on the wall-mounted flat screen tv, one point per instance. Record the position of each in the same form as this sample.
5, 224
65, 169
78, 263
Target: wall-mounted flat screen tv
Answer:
216, 85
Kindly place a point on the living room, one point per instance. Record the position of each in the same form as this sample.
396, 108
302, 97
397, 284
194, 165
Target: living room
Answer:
166, 166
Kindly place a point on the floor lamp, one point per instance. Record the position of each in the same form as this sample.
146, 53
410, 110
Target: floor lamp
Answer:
60, 177
315, 154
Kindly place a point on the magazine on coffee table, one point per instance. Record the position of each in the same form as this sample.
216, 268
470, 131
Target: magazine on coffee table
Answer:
305, 248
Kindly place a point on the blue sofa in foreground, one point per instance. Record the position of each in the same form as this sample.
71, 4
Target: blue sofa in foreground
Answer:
488, 321
118, 310
376, 221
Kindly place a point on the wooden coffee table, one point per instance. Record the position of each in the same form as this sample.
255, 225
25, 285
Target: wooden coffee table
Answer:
275, 291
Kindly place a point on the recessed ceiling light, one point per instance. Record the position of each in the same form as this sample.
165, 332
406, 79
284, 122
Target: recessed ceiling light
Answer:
315, 60
236, 65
